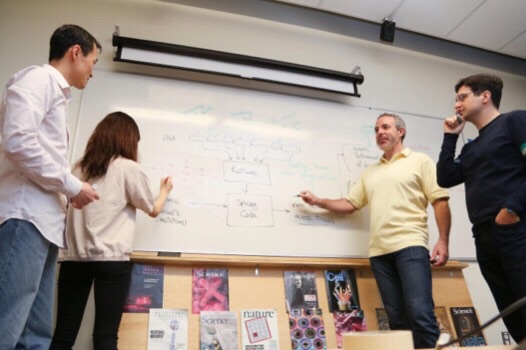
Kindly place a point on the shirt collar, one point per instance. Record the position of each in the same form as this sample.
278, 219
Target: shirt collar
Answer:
405, 153
62, 82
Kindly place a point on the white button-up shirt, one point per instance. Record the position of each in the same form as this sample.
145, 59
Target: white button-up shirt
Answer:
35, 176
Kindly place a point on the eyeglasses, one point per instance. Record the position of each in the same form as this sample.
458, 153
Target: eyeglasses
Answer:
462, 97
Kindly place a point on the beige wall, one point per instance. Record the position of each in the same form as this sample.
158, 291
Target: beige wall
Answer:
396, 79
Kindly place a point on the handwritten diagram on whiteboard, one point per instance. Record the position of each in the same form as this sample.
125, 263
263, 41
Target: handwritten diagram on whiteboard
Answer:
238, 158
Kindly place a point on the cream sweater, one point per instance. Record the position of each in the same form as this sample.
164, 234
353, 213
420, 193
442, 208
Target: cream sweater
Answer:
104, 230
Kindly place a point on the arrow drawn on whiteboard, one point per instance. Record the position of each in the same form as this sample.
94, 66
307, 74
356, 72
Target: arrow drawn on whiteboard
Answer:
209, 204
245, 189
283, 210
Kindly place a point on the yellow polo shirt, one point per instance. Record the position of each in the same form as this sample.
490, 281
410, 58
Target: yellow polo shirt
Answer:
398, 192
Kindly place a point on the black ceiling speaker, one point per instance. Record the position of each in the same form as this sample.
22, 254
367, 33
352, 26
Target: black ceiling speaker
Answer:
387, 31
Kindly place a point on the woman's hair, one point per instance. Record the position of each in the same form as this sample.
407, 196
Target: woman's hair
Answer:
115, 135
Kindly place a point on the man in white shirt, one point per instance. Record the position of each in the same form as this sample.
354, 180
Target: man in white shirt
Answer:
36, 184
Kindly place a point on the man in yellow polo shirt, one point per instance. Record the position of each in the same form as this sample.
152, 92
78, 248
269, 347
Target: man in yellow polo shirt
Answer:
398, 189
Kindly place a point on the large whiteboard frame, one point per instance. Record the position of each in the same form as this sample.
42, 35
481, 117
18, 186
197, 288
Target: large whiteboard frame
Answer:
238, 158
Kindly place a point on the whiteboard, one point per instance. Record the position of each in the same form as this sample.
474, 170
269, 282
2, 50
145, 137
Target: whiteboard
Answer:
239, 157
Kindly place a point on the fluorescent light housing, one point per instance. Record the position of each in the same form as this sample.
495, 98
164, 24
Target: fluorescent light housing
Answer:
216, 62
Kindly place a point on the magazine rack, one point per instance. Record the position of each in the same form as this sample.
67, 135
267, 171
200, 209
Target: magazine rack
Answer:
257, 282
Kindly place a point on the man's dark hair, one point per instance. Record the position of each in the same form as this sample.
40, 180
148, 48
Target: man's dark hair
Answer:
68, 35
483, 82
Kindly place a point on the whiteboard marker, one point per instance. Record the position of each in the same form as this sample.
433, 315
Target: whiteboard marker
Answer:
459, 118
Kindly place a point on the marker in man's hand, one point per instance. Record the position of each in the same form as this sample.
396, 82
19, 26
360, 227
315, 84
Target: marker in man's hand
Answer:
459, 118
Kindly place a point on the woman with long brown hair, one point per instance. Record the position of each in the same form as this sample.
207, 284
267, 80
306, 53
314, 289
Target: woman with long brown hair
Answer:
100, 236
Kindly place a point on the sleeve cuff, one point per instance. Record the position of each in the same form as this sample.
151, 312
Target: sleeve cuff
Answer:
450, 138
516, 206
73, 186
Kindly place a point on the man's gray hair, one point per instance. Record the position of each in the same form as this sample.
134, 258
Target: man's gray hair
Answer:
399, 122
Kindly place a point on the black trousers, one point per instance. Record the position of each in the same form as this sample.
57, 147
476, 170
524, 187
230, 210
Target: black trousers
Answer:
111, 280
501, 251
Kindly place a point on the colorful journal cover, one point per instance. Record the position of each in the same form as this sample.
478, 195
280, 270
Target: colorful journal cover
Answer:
465, 320
348, 321
307, 331
342, 290
443, 321
209, 290
218, 330
300, 290
381, 319
146, 288
259, 330
168, 329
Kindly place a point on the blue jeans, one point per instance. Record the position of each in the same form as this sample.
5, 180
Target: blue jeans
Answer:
111, 280
404, 281
27, 280
501, 254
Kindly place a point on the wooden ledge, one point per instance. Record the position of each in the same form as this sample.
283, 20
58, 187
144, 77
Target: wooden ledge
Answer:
190, 259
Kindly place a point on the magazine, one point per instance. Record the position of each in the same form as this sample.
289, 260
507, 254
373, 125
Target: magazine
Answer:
348, 321
443, 320
342, 291
168, 329
259, 330
209, 290
381, 319
146, 288
440, 313
300, 290
307, 330
465, 320
218, 330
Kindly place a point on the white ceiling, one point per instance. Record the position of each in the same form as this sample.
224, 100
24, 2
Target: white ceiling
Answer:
494, 25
